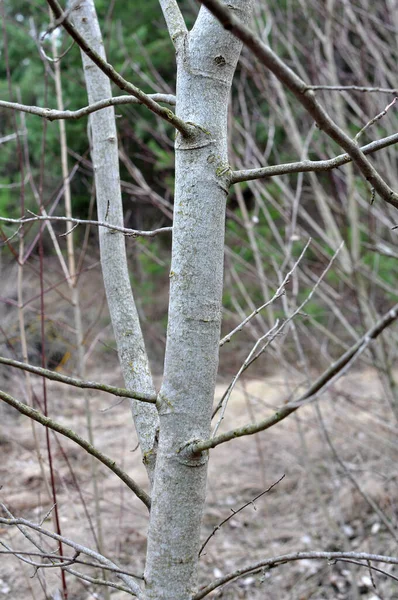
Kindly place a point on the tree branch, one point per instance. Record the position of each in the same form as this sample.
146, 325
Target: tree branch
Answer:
125, 319
353, 88
318, 385
304, 94
375, 119
125, 230
279, 292
22, 523
174, 20
51, 114
114, 76
79, 383
34, 414
235, 512
306, 166
276, 561
76, 560
266, 340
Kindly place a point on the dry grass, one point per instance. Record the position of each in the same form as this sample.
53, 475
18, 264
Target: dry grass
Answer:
315, 507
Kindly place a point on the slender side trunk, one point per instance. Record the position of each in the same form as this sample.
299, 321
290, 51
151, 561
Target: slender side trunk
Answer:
125, 322
206, 63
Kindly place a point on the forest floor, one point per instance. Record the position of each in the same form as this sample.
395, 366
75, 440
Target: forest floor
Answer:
320, 504
337, 456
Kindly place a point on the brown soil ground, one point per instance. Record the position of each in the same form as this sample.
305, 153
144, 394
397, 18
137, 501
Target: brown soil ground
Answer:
320, 504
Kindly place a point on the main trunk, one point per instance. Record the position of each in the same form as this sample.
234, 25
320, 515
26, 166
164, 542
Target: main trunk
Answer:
206, 63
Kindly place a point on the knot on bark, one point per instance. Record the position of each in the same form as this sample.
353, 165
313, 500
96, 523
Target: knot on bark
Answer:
187, 457
220, 60
200, 137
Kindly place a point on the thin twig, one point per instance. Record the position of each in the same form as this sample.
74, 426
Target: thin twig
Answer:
353, 88
371, 568
299, 309
253, 354
279, 292
235, 512
268, 338
375, 119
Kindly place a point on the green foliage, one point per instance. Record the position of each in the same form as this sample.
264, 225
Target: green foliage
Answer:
163, 159
151, 273
137, 44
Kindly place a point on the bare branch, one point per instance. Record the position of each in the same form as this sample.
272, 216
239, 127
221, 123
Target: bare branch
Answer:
103, 582
59, 58
306, 166
113, 228
51, 114
58, 22
22, 523
353, 88
258, 348
174, 21
12, 136
304, 94
123, 84
318, 385
63, 560
371, 568
235, 512
375, 119
279, 292
92, 385
76, 560
276, 561
265, 340
34, 414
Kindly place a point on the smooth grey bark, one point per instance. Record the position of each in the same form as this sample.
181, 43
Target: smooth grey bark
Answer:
124, 317
206, 61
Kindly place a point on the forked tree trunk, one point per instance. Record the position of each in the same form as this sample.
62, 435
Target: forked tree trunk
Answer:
206, 61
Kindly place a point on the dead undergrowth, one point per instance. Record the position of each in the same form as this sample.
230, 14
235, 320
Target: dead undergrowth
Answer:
321, 504
338, 458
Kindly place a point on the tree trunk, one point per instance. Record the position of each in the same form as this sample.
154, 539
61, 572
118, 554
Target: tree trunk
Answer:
206, 62
124, 317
